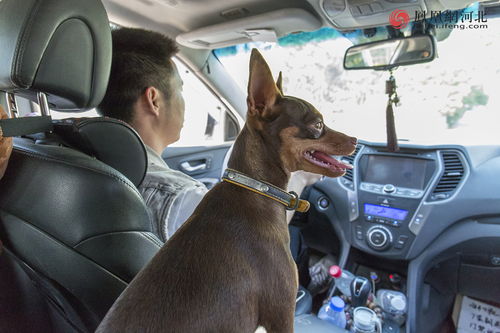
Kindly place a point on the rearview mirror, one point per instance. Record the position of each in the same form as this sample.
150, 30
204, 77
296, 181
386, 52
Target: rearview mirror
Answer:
386, 54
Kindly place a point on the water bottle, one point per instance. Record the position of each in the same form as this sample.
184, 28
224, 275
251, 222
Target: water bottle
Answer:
343, 279
333, 312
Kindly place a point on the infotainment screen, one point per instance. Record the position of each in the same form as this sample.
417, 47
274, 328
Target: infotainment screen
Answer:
389, 212
398, 171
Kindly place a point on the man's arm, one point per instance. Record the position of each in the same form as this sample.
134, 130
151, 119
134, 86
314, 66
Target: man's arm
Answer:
182, 207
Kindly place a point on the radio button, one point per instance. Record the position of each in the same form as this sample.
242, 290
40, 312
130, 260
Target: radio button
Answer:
395, 223
359, 232
401, 242
389, 188
369, 218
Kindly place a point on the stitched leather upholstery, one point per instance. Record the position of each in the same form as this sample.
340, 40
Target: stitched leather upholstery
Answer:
59, 47
109, 140
70, 223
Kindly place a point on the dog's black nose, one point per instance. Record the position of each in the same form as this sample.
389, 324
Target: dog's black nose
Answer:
354, 140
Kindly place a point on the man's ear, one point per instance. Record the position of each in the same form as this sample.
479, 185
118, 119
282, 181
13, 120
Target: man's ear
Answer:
262, 91
279, 83
152, 100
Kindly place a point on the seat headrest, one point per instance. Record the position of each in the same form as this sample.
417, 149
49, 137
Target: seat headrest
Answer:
59, 47
109, 140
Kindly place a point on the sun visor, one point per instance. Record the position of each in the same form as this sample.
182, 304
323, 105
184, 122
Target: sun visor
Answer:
267, 27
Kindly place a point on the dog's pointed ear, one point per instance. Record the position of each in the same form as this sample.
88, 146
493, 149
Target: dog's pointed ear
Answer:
262, 90
279, 83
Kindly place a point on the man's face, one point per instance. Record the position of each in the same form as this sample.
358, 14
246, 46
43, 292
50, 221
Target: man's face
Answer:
173, 119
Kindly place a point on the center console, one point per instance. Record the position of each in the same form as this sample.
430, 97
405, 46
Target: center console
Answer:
393, 214
386, 198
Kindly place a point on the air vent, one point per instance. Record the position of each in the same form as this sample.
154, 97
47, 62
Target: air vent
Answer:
348, 174
451, 177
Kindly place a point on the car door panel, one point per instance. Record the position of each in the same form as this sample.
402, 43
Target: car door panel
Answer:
200, 162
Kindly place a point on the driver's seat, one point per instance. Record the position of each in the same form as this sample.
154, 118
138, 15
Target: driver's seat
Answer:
75, 230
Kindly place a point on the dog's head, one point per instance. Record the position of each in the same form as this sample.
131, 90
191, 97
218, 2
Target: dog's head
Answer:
293, 126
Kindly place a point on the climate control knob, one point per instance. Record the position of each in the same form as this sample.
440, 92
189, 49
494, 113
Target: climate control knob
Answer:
379, 238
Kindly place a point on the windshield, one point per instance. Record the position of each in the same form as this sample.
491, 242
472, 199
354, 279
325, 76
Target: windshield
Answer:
453, 99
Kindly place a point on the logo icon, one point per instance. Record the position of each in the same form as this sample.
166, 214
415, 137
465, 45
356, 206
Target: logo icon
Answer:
399, 18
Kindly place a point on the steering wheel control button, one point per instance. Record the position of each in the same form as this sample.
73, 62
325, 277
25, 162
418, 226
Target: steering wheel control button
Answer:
323, 203
379, 238
389, 188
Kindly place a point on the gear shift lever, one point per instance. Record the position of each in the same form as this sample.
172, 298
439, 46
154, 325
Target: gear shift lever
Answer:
360, 289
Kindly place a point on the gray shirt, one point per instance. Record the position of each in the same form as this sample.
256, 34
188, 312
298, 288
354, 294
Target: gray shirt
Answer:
170, 195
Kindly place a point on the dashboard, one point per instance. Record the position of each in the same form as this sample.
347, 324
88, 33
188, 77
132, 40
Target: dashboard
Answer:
429, 213
394, 205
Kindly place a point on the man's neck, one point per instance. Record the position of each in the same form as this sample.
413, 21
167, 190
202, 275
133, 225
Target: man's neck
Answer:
150, 138
158, 148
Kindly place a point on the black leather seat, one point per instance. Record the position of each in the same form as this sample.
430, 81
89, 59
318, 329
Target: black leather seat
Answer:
74, 227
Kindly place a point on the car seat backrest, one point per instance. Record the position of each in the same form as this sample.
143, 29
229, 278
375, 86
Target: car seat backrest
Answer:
71, 217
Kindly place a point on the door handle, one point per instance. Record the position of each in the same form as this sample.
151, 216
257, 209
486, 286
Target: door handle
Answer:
186, 166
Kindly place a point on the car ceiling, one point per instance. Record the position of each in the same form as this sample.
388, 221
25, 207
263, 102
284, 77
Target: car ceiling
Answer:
179, 16
188, 15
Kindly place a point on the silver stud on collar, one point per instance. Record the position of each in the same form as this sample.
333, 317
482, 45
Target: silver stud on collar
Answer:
264, 188
231, 175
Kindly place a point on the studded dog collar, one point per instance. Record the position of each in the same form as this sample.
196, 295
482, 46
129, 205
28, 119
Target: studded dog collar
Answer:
290, 199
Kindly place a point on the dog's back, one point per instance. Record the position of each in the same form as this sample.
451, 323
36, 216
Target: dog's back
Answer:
210, 276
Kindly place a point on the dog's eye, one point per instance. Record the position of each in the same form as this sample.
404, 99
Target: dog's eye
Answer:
319, 126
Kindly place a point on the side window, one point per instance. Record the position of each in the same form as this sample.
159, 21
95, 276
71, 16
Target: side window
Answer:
207, 121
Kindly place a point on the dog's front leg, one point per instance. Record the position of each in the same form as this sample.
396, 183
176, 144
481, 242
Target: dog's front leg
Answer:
282, 322
280, 308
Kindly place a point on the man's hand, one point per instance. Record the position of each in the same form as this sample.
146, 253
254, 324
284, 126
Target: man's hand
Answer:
5, 146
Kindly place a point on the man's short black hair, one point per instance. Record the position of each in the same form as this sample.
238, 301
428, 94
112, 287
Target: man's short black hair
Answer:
141, 59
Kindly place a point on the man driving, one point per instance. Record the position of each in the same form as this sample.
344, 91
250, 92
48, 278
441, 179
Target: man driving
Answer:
145, 91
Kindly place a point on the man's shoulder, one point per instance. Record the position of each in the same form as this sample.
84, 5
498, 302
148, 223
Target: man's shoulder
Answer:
167, 179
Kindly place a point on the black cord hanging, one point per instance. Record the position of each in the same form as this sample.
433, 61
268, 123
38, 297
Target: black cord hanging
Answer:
390, 89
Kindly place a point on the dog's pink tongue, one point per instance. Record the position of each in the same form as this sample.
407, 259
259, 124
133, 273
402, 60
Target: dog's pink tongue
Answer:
327, 158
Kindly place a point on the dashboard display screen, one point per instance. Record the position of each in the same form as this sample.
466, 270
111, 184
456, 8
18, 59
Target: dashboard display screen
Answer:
391, 213
398, 171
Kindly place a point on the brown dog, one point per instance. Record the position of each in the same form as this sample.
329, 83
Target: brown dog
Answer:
229, 267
